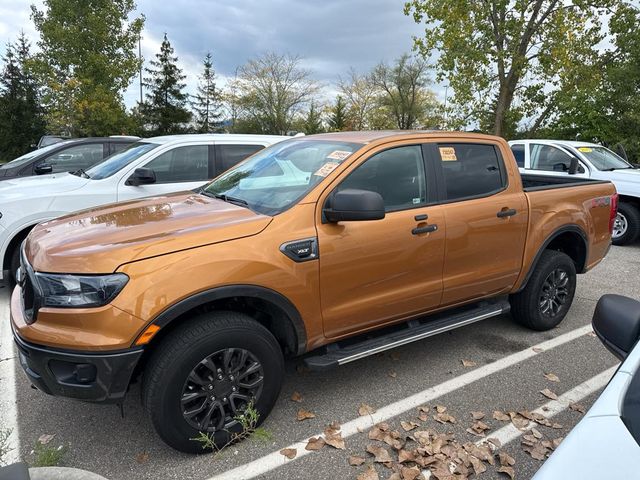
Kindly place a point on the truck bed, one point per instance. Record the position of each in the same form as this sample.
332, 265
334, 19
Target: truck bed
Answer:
533, 182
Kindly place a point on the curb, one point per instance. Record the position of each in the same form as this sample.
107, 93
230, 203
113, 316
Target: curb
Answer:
62, 473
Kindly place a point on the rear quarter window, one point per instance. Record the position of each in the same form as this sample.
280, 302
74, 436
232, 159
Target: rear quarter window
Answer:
470, 170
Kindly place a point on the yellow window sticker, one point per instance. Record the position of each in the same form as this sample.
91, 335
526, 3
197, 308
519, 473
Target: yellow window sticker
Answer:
339, 155
448, 154
326, 169
586, 149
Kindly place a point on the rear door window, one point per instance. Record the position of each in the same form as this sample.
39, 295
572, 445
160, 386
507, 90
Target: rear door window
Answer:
470, 170
229, 155
182, 164
518, 153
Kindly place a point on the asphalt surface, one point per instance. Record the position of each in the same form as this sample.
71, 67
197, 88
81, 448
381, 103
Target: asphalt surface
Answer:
99, 439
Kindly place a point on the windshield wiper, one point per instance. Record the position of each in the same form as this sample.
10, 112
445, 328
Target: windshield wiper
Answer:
80, 173
225, 198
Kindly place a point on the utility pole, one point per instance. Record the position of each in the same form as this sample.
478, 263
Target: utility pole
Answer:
140, 63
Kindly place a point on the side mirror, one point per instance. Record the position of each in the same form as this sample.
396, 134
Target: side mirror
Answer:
616, 321
573, 168
43, 169
354, 205
141, 176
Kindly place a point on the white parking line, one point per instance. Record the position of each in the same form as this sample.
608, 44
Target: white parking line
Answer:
275, 460
509, 432
8, 410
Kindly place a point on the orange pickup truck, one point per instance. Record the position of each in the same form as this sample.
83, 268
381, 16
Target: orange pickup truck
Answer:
311, 246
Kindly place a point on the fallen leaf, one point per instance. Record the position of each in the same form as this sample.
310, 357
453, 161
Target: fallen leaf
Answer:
315, 443
549, 394
480, 427
304, 415
408, 426
518, 420
556, 426
392, 374
538, 451
423, 413
441, 408
444, 418
410, 473
507, 470
556, 442
506, 460
422, 437
355, 460
552, 377
290, 453
592, 334
365, 409
381, 455
494, 442
406, 456
478, 466
537, 349
45, 438
468, 363
477, 415
142, 457
503, 417
576, 407
369, 474
335, 440
296, 397
536, 433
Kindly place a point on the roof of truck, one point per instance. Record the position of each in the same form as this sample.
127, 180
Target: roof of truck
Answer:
573, 143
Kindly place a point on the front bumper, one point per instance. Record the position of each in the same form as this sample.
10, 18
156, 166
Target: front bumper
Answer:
93, 377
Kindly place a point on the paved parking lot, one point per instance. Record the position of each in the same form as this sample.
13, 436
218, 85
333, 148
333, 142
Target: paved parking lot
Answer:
507, 375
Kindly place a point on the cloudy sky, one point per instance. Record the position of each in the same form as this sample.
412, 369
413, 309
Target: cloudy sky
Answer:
331, 35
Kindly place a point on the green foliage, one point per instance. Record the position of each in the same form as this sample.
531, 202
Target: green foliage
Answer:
208, 99
47, 456
87, 59
504, 59
164, 110
5, 433
338, 116
313, 120
21, 116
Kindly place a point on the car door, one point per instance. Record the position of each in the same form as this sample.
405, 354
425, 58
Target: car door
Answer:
553, 160
228, 155
486, 215
375, 272
177, 169
75, 157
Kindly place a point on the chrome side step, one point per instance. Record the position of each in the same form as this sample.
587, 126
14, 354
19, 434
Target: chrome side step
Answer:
349, 351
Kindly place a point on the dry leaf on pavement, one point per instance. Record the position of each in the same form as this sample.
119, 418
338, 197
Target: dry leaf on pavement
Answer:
518, 420
142, 457
296, 397
335, 440
576, 407
506, 460
477, 415
552, 377
444, 418
355, 460
304, 415
315, 443
408, 426
406, 456
441, 408
503, 417
290, 453
468, 363
392, 374
365, 409
45, 438
507, 470
549, 394
537, 349
410, 473
369, 474
380, 453
536, 433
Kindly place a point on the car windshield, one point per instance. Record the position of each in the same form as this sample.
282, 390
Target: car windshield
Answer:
603, 159
120, 160
31, 155
276, 178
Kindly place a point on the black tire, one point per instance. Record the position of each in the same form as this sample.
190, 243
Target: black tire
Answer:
631, 218
14, 265
535, 306
183, 352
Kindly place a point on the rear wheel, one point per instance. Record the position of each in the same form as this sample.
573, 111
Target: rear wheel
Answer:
548, 295
205, 374
626, 228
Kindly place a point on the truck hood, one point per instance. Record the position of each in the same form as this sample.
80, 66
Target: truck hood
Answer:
627, 182
40, 185
99, 240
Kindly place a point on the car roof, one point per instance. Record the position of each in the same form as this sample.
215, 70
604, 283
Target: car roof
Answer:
162, 140
376, 135
573, 143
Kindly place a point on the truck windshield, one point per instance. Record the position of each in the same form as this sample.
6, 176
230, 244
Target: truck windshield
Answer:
603, 159
276, 178
118, 161
31, 155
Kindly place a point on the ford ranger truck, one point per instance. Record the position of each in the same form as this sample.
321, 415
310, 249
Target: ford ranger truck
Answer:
310, 246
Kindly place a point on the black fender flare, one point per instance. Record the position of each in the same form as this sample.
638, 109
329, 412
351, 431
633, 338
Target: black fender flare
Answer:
565, 229
230, 291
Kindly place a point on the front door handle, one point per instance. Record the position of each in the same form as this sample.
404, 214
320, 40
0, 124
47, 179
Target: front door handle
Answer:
425, 229
510, 212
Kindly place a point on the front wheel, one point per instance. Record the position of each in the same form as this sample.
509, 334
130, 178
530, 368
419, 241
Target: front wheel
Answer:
548, 295
14, 265
626, 228
204, 374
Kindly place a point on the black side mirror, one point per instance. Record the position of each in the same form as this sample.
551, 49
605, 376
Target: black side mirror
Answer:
141, 176
43, 169
616, 321
353, 205
573, 167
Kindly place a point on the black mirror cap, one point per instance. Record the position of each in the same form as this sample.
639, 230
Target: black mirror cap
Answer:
43, 169
354, 205
616, 321
142, 176
573, 167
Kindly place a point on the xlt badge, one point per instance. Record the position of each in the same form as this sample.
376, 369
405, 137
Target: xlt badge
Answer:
301, 250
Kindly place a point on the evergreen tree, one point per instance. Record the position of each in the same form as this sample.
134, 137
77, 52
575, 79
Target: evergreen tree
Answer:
165, 111
313, 120
21, 116
208, 99
338, 115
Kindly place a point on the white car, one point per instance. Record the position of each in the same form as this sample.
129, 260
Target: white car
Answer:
587, 160
605, 444
153, 166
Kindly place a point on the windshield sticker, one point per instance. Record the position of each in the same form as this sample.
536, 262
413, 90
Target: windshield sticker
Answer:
326, 169
448, 154
585, 149
339, 155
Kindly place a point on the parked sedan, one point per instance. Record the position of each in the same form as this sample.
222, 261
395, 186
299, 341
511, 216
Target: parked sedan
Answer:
606, 443
65, 156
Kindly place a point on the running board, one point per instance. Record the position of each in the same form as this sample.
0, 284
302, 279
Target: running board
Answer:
348, 351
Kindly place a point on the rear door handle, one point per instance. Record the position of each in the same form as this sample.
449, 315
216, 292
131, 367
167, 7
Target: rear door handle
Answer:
425, 229
506, 213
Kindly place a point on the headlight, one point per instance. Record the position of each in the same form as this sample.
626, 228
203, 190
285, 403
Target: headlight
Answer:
79, 290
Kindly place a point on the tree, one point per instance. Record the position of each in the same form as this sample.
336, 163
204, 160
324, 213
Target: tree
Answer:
313, 120
361, 93
87, 59
21, 116
338, 116
208, 99
404, 91
502, 57
271, 90
165, 111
